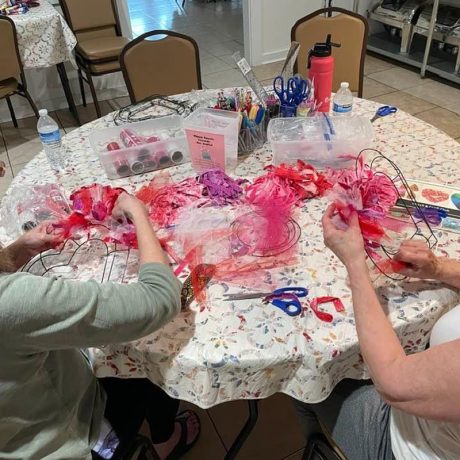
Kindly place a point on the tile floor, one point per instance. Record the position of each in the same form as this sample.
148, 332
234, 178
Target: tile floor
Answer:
218, 29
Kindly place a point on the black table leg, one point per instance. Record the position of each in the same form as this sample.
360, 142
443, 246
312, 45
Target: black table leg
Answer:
67, 91
253, 406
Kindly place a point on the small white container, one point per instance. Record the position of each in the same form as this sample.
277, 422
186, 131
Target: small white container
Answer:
212, 137
170, 149
322, 141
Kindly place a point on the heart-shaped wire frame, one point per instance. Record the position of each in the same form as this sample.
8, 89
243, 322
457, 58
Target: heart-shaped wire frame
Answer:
383, 166
77, 255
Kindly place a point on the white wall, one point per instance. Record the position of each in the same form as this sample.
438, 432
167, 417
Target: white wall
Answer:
268, 25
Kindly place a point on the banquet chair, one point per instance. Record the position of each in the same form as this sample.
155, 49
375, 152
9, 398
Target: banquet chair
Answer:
12, 79
96, 26
347, 28
168, 64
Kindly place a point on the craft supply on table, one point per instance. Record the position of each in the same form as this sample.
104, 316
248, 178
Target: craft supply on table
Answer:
12, 7
383, 111
195, 284
322, 140
291, 57
250, 77
321, 73
212, 137
141, 147
321, 315
292, 93
287, 299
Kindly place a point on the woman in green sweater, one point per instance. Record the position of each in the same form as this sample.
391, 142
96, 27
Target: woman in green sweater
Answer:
51, 404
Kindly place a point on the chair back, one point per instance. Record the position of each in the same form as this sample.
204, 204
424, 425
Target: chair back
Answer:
90, 19
168, 65
11, 66
347, 28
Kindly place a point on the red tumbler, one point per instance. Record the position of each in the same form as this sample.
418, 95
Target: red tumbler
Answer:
321, 73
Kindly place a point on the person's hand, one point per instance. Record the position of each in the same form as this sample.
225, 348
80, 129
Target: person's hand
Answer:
128, 206
347, 244
38, 239
419, 260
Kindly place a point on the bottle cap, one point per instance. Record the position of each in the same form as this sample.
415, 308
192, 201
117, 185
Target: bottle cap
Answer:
43, 112
322, 49
344, 84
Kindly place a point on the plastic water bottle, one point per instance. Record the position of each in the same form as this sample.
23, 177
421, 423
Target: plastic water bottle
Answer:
343, 100
51, 139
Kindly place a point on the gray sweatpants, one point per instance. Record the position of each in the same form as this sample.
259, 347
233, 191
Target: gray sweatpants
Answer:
357, 417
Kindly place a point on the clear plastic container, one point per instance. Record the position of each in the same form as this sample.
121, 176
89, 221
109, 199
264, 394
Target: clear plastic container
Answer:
322, 140
141, 147
212, 137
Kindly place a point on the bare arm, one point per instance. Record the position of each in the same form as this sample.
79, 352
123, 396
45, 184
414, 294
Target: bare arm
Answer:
424, 384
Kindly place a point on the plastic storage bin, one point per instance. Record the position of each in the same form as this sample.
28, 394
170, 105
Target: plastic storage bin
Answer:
141, 147
212, 137
322, 140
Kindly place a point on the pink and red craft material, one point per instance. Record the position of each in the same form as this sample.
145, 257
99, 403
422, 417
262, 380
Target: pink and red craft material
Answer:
321, 315
220, 187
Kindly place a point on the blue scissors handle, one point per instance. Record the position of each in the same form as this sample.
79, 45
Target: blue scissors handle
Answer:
386, 110
289, 303
296, 290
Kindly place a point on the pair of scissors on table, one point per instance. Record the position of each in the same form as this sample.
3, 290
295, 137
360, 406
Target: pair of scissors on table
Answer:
294, 93
383, 112
286, 299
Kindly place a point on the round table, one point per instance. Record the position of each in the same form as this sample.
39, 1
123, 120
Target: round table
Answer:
247, 350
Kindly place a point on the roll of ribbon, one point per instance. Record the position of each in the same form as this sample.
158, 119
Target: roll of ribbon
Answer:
113, 146
147, 159
177, 157
130, 138
137, 167
122, 168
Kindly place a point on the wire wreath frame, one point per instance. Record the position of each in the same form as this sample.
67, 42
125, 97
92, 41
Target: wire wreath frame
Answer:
108, 254
414, 212
133, 113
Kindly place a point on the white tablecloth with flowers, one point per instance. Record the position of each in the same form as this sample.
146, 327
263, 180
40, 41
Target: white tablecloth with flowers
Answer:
245, 349
44, 38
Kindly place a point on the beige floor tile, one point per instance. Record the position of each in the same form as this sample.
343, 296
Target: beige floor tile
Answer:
268, 71
398, 78
372, 88
295, 456
224, 79
26, 131
444, 119
404, 101
213, 65
438, 93
22, 153
276, 435
209, 446
373, 64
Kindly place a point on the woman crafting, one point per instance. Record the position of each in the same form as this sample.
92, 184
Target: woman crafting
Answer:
412, 410
44, 324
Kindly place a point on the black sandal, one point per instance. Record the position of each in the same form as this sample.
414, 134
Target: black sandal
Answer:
182, 447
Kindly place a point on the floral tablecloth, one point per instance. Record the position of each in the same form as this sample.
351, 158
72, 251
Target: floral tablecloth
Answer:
44, 38
244, 349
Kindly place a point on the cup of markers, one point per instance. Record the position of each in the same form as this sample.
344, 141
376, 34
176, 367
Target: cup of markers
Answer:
254, 118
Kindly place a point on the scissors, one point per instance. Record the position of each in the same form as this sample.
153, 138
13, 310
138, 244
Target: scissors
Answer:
383, 112
286, 299
294, 93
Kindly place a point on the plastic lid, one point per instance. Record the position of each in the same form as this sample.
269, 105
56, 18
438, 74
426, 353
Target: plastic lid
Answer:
344, 84
43, 112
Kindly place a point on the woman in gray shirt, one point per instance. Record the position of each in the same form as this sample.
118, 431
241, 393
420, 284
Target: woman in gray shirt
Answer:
51, 404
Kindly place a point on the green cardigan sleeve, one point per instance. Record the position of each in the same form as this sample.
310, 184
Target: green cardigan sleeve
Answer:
49, 313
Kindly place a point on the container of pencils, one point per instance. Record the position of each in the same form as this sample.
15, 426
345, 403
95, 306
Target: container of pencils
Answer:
253, 137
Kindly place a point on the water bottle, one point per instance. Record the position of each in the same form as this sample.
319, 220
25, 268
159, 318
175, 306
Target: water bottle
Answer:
321, 72
343, 100
51, 139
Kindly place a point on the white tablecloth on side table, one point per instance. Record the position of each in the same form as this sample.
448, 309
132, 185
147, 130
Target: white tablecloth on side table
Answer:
44, 38
244, 349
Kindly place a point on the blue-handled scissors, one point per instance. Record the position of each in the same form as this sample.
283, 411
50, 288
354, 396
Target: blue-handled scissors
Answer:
287, 299
383, 112
294, 92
